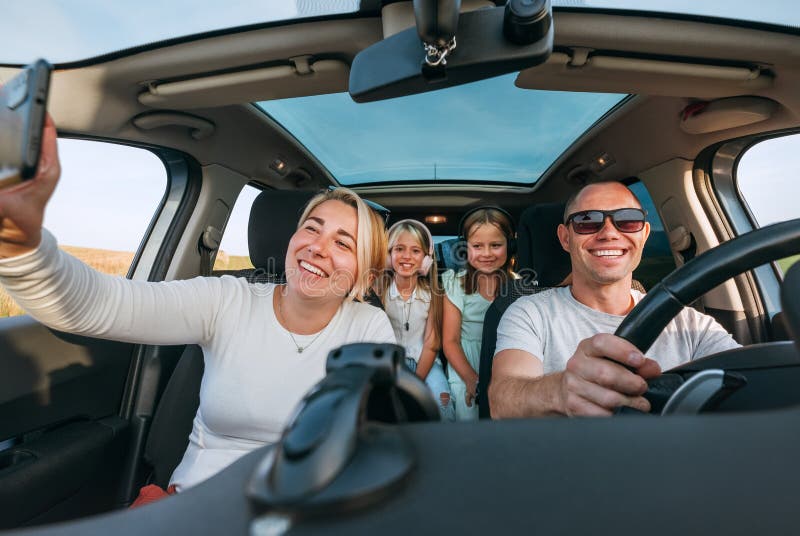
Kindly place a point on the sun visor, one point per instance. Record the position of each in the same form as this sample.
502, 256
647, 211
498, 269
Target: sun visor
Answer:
581, 70
299, 78
723, 114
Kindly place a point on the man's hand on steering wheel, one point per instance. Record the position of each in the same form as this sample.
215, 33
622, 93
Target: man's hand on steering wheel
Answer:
595, 381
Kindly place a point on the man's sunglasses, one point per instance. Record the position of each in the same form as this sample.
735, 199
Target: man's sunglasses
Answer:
626, 220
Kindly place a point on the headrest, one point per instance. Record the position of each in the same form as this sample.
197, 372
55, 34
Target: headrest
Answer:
273, 221
538, 248
451, 255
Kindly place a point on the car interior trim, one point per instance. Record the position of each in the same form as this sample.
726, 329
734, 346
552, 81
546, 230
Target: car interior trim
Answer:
723, 168
297, 79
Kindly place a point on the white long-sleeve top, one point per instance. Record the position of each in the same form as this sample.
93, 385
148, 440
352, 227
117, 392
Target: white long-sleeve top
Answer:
254, 375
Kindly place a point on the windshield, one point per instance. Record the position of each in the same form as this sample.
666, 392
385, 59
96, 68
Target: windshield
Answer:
71, 30
489, 131
778, 12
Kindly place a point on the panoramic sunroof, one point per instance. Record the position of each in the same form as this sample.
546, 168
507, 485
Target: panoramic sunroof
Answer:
488, 131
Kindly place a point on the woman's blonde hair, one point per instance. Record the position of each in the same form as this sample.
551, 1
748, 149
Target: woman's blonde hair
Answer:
428, 282
371, 242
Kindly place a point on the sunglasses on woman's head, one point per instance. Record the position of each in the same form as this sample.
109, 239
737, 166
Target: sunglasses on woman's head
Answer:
626, 220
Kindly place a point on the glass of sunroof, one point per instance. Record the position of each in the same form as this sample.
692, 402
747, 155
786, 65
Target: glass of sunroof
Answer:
487, 131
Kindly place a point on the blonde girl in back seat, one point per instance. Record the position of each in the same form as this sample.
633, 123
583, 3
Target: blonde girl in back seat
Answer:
411, 296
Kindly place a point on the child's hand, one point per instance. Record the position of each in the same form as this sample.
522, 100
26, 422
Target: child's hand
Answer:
472, 386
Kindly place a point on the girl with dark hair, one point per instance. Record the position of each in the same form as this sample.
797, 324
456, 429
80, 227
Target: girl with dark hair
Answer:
488, 236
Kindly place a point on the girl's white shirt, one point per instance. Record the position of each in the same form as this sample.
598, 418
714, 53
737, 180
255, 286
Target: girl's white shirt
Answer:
415, 312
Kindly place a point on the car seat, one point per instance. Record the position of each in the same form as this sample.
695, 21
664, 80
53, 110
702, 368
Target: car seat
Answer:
273, 220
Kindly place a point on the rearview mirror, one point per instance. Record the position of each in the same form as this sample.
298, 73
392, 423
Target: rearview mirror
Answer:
487, 43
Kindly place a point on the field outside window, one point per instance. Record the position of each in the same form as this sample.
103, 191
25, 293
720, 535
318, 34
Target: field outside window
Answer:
103, 204
233, 251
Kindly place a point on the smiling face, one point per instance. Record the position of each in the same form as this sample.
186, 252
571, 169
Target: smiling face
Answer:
487, 249
321, 260
406, 254
609, 255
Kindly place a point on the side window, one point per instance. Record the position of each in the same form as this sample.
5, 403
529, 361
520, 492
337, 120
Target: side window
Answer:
104, 202
657, 259
233, 252
767, 179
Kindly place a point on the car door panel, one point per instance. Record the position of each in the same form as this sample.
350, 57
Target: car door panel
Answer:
66, 472
60, 398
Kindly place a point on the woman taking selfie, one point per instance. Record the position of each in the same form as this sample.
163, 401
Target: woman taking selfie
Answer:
264, 345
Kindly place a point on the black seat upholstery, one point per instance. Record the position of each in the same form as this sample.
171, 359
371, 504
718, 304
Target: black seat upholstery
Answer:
451, 254
494, 313
273, 220
540, 256
172, 421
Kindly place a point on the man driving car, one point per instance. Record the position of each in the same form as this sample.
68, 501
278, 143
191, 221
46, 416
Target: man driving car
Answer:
552, 346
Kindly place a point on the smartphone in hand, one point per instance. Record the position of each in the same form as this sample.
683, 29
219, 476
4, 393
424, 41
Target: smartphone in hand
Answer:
23, 104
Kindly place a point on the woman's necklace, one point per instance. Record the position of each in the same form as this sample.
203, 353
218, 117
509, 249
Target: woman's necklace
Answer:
294, 341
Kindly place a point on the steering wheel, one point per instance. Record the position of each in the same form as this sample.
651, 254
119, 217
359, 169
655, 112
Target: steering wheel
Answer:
686, 284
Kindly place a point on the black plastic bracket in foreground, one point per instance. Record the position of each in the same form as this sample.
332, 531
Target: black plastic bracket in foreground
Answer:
331, 457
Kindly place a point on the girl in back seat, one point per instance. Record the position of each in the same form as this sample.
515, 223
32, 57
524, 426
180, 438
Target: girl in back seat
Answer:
411, 296
487, 235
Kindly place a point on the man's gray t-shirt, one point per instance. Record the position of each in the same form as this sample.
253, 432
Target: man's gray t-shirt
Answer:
550, 325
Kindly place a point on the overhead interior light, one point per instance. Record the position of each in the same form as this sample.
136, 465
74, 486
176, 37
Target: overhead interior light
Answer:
603, 162
435, 219
279, 166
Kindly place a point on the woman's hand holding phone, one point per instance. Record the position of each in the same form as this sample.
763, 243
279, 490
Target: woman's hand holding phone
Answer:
22, 205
